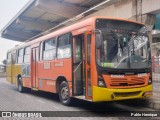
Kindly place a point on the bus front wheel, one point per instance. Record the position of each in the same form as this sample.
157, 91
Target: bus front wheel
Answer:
64, 94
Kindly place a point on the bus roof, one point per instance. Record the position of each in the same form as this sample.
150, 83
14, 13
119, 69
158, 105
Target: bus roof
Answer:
67, 29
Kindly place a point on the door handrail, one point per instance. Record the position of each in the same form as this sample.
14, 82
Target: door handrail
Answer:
77, 66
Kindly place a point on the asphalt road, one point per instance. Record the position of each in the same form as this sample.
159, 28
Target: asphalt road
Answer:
12, 100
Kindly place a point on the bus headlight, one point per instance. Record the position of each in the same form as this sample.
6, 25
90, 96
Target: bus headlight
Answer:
149, 81
101, 82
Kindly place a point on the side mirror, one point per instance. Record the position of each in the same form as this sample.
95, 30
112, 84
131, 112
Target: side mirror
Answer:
99, 40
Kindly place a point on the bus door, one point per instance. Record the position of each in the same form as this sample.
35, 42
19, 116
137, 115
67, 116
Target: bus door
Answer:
8, 68
34, 67
13, 68
81, 65
88, 65
78, 65
11, 59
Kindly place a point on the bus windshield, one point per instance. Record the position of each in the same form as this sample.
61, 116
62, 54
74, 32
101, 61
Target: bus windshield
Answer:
125, 45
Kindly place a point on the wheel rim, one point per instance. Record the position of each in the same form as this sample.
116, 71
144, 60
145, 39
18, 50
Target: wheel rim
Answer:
64, 93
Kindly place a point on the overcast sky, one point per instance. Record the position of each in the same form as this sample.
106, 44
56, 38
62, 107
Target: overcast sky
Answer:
8, 9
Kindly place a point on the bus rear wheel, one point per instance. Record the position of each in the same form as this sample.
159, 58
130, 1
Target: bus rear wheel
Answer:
64, 94
20, 85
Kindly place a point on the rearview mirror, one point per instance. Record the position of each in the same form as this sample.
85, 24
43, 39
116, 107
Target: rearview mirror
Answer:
99, 39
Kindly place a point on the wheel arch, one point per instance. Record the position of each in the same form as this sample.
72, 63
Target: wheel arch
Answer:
59, 80
19, 75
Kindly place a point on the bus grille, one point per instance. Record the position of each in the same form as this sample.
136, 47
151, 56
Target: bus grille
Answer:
133, 81
126, 94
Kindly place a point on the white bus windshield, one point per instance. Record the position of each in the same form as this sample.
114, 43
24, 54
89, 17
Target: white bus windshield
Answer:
124, 47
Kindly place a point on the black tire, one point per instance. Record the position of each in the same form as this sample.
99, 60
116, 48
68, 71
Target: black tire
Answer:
20, 85
64, 94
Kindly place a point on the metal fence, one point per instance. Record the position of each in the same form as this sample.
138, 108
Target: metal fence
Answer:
2, 71
2, 68
156, 73
156, 64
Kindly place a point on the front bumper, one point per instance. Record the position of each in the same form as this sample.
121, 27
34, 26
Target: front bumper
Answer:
106, 94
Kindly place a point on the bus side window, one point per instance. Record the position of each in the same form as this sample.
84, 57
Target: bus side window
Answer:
64, 46
49, 49
13, 57
20, 56
9, 58
89, 49
41, 51
27, 51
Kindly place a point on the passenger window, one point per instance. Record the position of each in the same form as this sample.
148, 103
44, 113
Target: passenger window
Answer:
20, 55
27, 53
9, 58
49, 49
89, 49
64, 46
13, 57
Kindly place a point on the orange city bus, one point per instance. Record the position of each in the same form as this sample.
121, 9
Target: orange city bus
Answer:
97, 59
